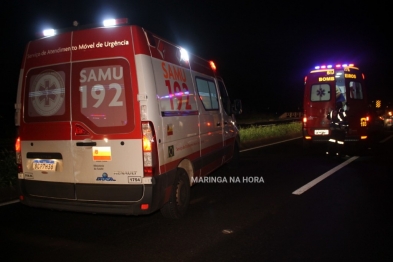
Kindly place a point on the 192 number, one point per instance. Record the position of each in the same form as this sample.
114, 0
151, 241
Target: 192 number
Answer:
178, 92
98, 93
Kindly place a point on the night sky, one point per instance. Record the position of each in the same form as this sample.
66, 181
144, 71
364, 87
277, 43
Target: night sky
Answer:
263, 49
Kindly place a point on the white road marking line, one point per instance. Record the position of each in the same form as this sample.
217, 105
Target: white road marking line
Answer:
386, 139
248, 149
322, 177
9, 202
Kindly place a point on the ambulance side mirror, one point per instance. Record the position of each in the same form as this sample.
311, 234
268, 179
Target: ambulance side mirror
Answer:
237, 107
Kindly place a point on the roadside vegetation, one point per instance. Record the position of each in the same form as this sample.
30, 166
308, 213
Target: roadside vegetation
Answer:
8, 168
255, 133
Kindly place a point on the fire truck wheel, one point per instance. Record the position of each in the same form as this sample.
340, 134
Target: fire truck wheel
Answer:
180, 196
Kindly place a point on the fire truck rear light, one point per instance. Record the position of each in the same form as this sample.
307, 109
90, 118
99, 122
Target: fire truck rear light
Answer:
363, 137
144, 206
304, 119
307, 137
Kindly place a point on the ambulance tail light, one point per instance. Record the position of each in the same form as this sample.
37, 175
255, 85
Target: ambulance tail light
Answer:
149, 149
18, 155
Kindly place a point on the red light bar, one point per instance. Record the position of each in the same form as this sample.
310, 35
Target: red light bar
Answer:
336, 66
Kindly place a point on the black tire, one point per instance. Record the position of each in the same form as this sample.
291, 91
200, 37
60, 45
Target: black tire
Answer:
180, 196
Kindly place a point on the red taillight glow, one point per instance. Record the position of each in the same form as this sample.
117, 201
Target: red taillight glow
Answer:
17, 145
18, 155
213, 65
80, 131
149, 149
144, 206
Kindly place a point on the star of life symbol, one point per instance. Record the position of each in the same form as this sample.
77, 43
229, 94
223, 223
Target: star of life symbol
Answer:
320, 92
47, 95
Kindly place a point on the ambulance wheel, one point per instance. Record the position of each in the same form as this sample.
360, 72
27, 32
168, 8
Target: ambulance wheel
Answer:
179, 198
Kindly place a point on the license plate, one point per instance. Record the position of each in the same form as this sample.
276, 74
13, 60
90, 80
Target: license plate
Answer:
44, 165
321, 132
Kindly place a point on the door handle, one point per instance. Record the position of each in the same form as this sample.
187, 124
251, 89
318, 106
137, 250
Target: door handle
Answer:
86, 143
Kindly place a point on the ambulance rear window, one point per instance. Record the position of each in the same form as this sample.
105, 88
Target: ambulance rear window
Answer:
320, 92
46, 96
102, 95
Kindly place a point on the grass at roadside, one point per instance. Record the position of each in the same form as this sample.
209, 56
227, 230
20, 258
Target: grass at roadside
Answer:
8, 168
254, 133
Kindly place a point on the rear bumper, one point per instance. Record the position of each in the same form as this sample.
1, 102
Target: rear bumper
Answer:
325, 138
106, 199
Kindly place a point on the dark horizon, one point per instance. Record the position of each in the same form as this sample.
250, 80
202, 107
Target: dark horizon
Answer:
262, 52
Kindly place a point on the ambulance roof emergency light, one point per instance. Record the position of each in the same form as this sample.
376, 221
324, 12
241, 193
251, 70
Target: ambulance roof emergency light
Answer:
49, 32
331, 66
115, 22
184, 55
212, 65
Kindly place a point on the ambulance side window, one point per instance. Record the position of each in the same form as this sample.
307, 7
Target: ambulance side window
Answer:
320, 92
207, 93
355, 90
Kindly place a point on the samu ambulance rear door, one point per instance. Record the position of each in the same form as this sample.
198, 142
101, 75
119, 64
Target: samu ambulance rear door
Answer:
45, 129
78, 132
106, 145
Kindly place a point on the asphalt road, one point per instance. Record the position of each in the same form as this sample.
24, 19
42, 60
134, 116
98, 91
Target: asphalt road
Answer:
254, 215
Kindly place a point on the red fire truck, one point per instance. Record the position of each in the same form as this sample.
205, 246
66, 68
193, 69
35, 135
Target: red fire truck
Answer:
323, 88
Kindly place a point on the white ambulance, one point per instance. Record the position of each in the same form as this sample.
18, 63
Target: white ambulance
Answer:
114, 119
